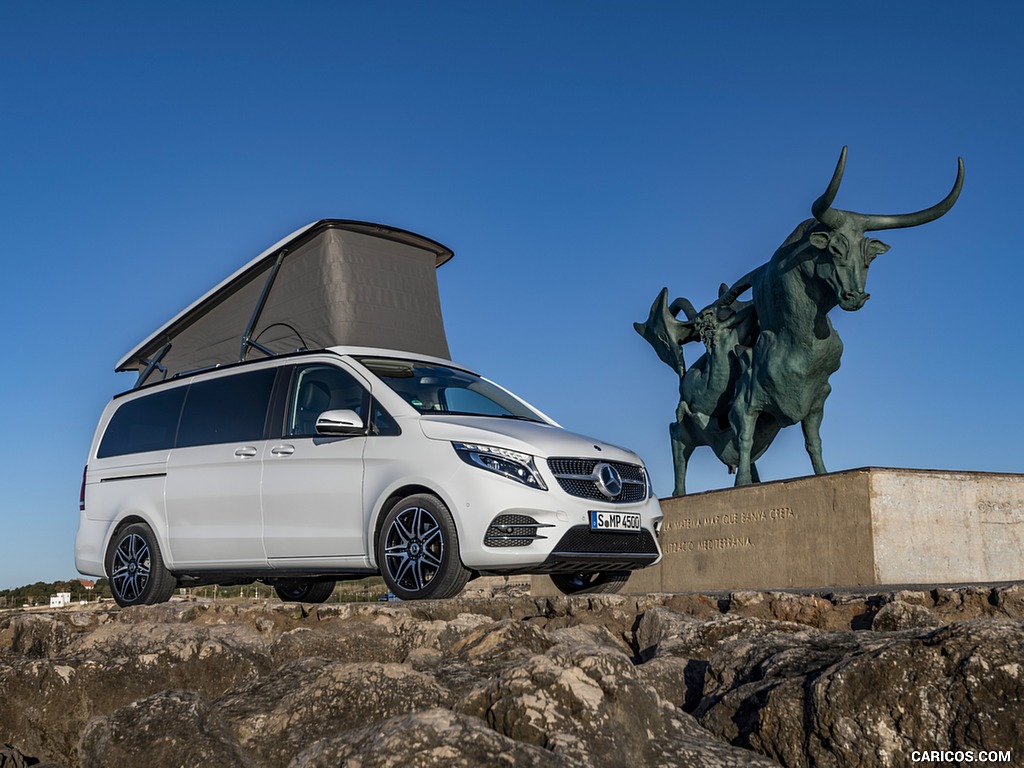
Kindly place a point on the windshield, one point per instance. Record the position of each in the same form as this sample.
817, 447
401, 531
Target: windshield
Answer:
433, 388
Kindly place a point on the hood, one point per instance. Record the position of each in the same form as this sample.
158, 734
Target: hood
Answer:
543, 440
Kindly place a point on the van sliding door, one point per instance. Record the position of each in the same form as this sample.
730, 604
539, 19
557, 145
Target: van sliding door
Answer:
213, 474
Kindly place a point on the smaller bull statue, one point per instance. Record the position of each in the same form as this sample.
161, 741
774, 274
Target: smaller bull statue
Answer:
767, 361
707, 388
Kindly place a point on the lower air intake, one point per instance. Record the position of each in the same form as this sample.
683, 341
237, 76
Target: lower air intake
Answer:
512, 531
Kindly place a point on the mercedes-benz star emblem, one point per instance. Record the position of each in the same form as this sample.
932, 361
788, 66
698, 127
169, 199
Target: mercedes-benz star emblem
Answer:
608, 480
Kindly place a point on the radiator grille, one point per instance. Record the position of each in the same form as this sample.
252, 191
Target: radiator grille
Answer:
576, 477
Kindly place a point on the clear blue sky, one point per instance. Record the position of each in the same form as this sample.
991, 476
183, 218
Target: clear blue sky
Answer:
577, 156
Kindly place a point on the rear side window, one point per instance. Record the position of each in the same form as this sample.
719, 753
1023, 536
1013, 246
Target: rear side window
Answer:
145, 424
226, 410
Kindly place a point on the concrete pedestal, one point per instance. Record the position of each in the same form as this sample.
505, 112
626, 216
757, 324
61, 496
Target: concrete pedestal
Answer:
860, 527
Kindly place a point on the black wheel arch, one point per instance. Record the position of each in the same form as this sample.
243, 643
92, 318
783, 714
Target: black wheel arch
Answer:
132, 519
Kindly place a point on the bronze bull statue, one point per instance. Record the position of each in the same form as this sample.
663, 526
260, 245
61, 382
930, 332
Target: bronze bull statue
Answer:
767, 361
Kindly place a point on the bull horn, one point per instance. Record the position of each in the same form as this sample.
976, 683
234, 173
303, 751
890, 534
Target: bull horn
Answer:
873, 223
687, 308
822, 208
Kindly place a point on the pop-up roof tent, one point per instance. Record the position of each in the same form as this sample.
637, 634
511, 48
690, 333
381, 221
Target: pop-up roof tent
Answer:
333, 282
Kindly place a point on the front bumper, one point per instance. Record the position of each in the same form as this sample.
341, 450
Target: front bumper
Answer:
546, 531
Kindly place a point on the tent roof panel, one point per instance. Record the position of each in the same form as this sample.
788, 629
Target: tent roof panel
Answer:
394, 265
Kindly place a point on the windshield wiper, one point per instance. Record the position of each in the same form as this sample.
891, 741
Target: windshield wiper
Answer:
483, 415
518, 418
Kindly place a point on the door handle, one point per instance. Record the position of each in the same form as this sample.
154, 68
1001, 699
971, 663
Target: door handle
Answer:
283, 450
245, 452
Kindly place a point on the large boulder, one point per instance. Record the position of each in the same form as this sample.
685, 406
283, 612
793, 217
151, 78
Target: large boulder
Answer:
437, 738
172, 728
675, 648
588, 706
837, 699
283, 712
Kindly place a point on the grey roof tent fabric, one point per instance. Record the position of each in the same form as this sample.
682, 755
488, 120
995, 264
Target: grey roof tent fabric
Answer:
340, 283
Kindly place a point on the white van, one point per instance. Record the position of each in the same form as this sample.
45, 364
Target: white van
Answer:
336, 456
303, 469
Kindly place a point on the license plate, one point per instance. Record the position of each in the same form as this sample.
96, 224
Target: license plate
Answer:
615, 521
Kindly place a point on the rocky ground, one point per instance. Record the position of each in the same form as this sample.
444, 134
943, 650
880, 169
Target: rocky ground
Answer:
747, 679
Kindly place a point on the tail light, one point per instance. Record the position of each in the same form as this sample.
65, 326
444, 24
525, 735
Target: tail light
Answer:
81, 496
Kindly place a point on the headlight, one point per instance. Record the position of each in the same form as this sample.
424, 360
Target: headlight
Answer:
511, 464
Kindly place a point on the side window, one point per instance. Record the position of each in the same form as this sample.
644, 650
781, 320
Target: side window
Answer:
319, 388
384, 424
231, 409
147, 423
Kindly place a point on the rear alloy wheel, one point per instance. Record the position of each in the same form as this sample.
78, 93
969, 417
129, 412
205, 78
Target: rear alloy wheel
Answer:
592, 583
418, 550
136, 569
304, 591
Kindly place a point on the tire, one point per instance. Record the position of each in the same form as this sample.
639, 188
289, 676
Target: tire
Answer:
418, 550
135, 568
592, 583
304, 591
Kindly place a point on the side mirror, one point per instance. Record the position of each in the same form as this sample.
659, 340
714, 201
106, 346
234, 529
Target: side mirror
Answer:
340, 422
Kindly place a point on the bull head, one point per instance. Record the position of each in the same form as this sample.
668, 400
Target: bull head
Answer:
846, 252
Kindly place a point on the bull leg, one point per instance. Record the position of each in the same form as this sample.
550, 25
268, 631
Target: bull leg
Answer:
754, 476
743, 414
812, 432
743, 427
681, 452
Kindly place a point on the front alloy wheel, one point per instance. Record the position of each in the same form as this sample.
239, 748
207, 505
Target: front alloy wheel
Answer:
418, 550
